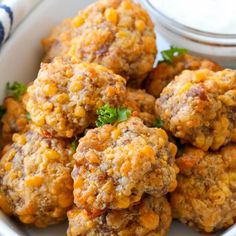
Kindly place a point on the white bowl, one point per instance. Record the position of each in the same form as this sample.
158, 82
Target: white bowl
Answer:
219, 47
19, 61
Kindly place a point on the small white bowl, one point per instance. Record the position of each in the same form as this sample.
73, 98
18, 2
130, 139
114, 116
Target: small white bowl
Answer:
218, 47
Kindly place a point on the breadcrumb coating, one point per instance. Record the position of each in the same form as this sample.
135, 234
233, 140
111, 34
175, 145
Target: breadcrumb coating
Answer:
116, 164
118, 34
199, 107
205, 197
152, 216
35, 179
64, 98
165, 72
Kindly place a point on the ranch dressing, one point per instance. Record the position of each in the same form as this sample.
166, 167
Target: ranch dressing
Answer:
215, 16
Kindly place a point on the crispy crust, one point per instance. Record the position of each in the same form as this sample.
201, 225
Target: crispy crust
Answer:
117, 34
116, 165
35, 180
205, 197
64, 98
164, 73
199, 107
152, 216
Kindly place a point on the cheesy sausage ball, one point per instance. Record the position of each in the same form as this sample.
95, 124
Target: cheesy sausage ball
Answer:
152, 216
58, 43
118, 34
165, 72
116, 165
199, 107
205, 197
35, 181
14, 120
142, 104
64, 98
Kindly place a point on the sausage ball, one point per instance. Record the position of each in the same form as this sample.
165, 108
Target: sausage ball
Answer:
205, 197
14, 120
64, 98
199, 107
165, 72
116, 165
152, 216
118, 34
35, 181
142, 104
58, 43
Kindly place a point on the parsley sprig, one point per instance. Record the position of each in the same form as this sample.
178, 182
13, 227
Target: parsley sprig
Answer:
16, 90
159, 123
168, 55
110, 115
123, 114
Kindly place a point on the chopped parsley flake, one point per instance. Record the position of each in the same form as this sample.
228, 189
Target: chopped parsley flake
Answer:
159, 123
16, 90
168, 55
74, 143
109, 115
28, 117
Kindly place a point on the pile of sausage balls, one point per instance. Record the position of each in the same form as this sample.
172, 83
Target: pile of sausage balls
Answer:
173, 157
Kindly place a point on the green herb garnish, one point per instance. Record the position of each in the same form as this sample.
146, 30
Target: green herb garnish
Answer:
159, 123
16, 90
123, 114
2, 111
28, 116
106, 115
109, 115
74, 143
168, 55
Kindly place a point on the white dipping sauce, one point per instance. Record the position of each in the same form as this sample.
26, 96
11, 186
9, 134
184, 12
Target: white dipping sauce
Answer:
215, 16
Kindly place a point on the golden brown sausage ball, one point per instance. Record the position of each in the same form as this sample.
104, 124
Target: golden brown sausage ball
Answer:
140, 100
165, 72
64, 98
58, 42
199, 107
118, 34
14, 120
205, 197
35, 179
116, 165
142, 104
152, 216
